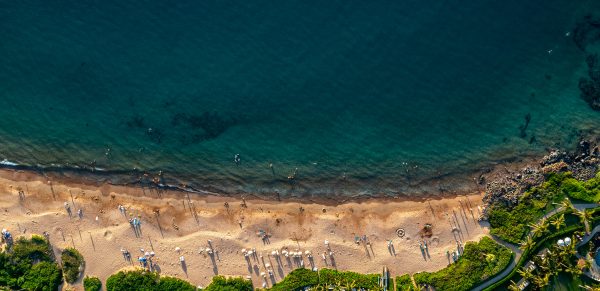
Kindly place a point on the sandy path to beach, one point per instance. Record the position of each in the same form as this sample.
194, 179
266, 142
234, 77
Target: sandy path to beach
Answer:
292, 226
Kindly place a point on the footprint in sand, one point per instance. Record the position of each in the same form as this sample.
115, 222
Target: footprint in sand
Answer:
108, 235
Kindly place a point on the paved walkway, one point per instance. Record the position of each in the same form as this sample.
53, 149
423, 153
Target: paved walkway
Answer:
518, 252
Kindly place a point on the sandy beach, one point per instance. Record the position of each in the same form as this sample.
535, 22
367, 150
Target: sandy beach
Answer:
171, 220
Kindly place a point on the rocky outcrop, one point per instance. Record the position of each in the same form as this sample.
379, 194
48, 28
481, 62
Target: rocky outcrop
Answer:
584, 163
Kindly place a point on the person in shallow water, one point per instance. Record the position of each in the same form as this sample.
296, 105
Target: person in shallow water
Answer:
236, 159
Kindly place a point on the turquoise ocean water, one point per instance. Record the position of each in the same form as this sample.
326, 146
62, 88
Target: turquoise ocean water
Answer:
361, 97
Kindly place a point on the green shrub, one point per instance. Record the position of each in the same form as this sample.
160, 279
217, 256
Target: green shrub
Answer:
301, 278
404, 283
72, 263
32, 250
349, 279
29, 264
144, 280
296, 280
471, 269
511, 223
91, 284
170, 283
229, 284
44, 276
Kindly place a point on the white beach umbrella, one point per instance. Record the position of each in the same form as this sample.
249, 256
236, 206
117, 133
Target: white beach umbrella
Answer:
567, 240
561, 243
273, 253
267, 265
243, 250
177, 249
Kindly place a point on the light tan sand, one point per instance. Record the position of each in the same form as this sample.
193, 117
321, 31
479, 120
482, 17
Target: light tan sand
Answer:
100, 241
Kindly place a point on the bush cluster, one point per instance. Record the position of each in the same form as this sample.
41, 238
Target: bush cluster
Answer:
144, 280
72, 264
29, 264
150, 281
471, 269
301, 278
220, 283
92, 284
404, 283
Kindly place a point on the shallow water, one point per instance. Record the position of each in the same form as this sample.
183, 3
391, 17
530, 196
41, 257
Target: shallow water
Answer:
362, 98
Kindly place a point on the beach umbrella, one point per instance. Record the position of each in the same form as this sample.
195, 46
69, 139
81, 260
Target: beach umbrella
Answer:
273, 253
263, 274
208, 250
326, 242
181, 259
561, 243
152, 254
249, 277
147, 254
243, 250
567, 240
267, 265
177, 249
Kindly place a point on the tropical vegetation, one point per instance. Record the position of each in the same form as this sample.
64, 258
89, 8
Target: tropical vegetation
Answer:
220, 283
72, 264
404, 283
29, 264
537, 232
144, 280
512, 223
324, 278
478, 262
92, 284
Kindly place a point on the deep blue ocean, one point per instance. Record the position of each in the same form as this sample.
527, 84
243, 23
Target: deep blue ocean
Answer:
349, 97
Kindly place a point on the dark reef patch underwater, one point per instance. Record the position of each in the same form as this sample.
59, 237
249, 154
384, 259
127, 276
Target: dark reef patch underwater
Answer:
318, 99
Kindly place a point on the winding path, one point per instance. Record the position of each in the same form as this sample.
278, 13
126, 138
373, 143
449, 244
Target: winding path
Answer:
518, 252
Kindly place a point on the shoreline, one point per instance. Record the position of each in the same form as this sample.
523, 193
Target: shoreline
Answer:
444, 185
291, 225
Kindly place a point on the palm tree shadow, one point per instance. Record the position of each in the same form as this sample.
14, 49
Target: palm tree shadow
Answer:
184, 267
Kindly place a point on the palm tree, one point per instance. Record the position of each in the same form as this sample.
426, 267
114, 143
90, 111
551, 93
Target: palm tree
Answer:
573, 270
566, 204
525, 273
513, 286
542, 281
539, 228
559, 221
527, 243
585, 216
